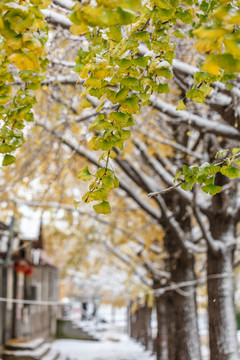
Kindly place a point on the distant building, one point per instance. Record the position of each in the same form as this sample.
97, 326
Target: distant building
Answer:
26, 273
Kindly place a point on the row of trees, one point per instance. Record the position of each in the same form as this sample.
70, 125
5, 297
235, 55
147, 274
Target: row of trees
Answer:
171, 240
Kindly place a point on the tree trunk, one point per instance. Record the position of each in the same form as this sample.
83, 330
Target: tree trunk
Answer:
140, 326
221, 309
183, 335
144, 325
187, 336
146, 328
133, 323
161, 342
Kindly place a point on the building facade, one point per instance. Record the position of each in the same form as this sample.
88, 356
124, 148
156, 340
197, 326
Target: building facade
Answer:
28, 287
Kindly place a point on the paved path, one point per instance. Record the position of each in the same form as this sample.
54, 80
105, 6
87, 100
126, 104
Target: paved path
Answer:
113, 347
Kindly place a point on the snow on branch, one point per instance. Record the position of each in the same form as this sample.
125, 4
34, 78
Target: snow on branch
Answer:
184, 68
80, 150
128, 262
54, 18
165, 191
66, 4
171, 143
198, 122
162, 172
214, 245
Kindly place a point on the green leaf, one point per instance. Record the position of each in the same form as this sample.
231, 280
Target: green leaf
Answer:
140, 61
84, 174
93, 143
93, 82
99, 125
115, 33
106, 144
185, 15
122, 94
179, 33
196, 95
95, 195
161, 88
99, 195
165, 4
120, 119
222, 61
211, 189
5, 148
85, 104
133, 5
230, 171
4, 99
206, 89
112, 154
123, 63
108, 182
130, 105
164, 72
141, 36
190, 173
132, 83
8, 160
181, 105
187, 186
177, 175
116, 182
235, 150
102, 208
76, 203
164, 14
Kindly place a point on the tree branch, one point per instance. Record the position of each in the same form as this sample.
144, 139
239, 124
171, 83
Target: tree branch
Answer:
214, 245
154, 213
197, 122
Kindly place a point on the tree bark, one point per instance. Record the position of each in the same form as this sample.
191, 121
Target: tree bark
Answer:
143, 325
140, 325
186, 333
221, 310
183, 335
171, 326
161, 341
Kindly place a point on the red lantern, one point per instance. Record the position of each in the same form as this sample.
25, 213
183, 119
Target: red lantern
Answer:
29, 271
24, 267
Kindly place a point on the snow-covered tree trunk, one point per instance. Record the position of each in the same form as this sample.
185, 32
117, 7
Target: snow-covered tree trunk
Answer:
140, 325
133, 323
171, 326
144, 325
221, 309
186, 328
147, 330
161, 342
186, 342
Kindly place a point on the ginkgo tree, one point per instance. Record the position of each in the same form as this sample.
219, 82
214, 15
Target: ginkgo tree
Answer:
130, 53
128, 58
23, 35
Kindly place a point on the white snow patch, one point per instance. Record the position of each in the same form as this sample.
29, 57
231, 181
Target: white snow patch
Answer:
114, 347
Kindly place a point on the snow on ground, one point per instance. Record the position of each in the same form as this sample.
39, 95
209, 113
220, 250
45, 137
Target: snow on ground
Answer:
114, 346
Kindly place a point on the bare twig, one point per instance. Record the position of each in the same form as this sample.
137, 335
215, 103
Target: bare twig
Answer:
164, 191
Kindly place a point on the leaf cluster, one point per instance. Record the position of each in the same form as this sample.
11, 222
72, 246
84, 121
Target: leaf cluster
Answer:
23, 35
205, 174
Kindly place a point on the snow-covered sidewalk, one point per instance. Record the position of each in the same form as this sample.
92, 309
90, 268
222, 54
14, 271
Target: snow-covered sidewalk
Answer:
113, 347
